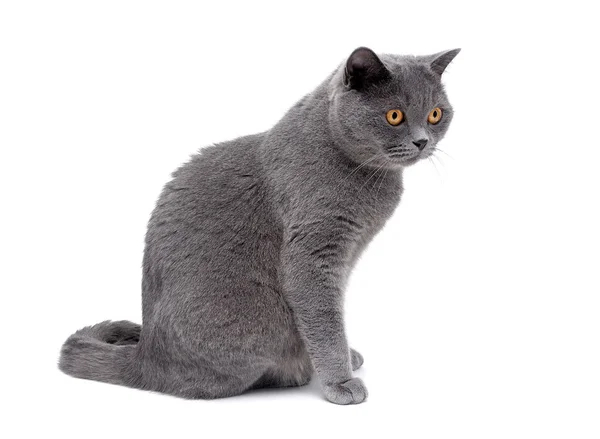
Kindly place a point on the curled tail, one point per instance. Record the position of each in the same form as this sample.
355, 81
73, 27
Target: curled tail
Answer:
102, 352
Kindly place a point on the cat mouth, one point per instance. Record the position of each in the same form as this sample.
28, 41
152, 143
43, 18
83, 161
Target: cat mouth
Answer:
405, 158
409, 162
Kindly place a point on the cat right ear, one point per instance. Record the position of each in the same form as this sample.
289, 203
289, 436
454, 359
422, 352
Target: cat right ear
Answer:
440, 61
363, 69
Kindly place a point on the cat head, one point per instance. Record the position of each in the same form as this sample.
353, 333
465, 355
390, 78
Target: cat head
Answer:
391, 110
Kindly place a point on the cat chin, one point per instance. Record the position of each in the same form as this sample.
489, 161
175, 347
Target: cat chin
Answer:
395, 163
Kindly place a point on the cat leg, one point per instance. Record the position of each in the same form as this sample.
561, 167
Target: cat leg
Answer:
209, 383
291, 372
278, 378
178, 361
314, 265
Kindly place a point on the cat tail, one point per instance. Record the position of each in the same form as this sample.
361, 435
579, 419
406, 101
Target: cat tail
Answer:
102, 352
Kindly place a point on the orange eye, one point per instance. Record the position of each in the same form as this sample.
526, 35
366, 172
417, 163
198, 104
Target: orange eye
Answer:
394, 117
435, 116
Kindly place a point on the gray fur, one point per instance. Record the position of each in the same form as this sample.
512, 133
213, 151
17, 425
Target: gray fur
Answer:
251, 243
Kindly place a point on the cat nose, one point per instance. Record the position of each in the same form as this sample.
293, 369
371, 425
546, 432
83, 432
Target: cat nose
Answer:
420, 143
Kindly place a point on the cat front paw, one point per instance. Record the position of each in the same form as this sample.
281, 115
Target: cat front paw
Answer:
357, 359
352, 391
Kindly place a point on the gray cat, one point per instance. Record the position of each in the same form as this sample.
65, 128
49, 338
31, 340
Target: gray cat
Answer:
251, 243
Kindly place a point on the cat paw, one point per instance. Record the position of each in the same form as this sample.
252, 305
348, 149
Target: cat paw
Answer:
352, 391
357, 359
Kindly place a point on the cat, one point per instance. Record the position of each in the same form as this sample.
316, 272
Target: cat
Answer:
251, 243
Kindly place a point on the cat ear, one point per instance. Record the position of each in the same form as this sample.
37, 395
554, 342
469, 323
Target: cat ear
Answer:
364, 68
440, 61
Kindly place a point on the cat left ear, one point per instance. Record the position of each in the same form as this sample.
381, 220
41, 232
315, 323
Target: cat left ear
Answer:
440, 61
364, 68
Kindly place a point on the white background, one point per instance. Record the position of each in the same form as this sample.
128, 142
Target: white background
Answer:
477, 308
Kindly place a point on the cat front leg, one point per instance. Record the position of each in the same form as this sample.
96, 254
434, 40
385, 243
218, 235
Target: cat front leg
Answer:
315, 264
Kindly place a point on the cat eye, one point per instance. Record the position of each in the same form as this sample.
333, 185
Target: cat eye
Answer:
394, 117
435, 116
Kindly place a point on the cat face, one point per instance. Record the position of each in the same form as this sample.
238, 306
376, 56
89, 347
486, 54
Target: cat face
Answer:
390, 111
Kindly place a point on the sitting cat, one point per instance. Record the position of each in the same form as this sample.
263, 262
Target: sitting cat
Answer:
251, 243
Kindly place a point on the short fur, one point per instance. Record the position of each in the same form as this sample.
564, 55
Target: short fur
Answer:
251, 243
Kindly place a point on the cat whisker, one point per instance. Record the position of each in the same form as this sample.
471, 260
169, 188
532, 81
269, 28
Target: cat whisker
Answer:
378, 177
361, 165
384, 175
396, 148
438, 159
434, 166
402, 154
370, 159
371, 176
444, 152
